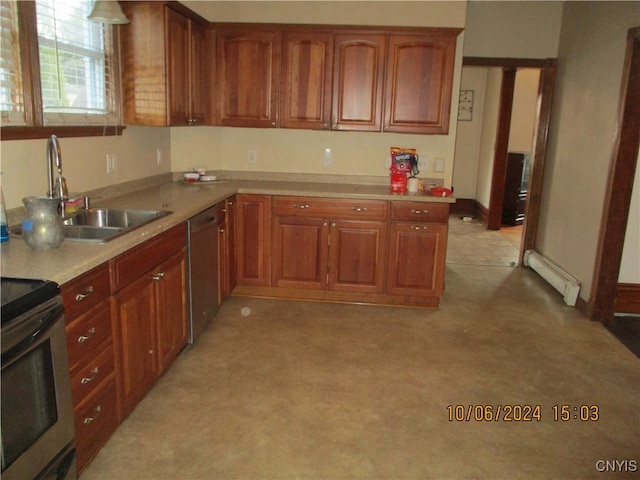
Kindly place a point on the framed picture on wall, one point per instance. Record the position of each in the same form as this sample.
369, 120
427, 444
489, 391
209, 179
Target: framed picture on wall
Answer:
465, 106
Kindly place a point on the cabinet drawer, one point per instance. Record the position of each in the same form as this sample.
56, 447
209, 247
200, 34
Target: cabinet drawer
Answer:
94, 422
329, 208
87, 332
420, 211
139, 260
85, 292
86, 378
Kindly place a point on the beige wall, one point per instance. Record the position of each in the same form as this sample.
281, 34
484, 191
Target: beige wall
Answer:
24, 165
523, 114
591, 56
524, 29
630, 268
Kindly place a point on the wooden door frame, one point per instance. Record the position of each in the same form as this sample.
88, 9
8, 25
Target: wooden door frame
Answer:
615, 215
546, 89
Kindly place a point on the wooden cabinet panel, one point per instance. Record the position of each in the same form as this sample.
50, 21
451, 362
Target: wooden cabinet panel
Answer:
357, 256
227, 260
135, 262
420, 212
163, 65
358, 81
416, 259
248, 69
86, 333
307, 65
300, 252
419, 81
92, 419
136, 312
86, 378
253, 239
330, 207
171, 293
85, 292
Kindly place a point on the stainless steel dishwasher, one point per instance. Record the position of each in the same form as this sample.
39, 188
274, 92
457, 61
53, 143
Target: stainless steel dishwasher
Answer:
204, 277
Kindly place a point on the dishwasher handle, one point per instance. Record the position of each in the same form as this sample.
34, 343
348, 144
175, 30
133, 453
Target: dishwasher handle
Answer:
200, 223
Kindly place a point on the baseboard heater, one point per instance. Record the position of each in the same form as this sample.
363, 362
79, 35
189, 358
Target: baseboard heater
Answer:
558, 278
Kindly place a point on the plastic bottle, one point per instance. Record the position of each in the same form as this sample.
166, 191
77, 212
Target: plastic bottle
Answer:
4, 228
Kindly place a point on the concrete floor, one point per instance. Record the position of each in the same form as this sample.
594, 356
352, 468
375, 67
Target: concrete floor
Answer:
319, 391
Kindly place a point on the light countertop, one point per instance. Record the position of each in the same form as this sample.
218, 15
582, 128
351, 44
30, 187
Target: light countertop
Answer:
185, 200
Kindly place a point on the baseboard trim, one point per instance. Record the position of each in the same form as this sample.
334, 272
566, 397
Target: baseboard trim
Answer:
481, 212
463, 206
628, 298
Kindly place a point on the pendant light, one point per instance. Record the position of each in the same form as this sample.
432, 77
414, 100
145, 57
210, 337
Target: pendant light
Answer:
108, 11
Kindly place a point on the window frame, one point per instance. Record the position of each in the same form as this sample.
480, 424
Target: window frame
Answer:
30, 64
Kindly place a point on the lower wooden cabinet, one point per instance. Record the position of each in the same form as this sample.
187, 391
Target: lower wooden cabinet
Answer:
362, 251
151, 312
89, 332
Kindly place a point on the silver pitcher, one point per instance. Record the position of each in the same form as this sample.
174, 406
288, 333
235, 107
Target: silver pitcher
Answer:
43, 228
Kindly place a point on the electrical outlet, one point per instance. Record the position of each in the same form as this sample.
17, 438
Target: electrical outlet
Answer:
158, 156
112, 163
252, 157
328, 157
423, 164
438, 165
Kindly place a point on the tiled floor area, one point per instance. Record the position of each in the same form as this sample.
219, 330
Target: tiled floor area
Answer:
298, 390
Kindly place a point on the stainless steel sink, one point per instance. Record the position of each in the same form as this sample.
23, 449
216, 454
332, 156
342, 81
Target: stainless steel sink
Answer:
100, 225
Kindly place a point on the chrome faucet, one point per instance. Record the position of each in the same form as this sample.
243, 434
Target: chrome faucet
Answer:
57, 186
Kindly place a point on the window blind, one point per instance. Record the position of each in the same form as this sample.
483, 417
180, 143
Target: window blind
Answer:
11, 89
76, 65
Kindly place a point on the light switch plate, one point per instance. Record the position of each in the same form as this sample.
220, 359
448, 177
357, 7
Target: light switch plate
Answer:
438, 165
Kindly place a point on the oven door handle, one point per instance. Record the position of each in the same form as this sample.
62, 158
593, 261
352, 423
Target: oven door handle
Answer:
40, 326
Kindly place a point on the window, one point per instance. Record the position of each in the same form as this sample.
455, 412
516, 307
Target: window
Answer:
72, 78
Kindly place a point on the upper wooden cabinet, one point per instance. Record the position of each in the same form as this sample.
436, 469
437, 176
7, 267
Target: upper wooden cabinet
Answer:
307, 65
163, 71
248, 69
418, 82
357, 82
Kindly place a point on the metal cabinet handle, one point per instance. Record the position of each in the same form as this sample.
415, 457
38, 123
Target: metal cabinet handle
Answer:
90, 333
158, 276
88, 292
419, 212
414, 227
98, 411
295, 205
221, 230
86, 380
230, 203
359, 209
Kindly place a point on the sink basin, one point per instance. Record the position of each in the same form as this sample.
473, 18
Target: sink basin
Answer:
103, 224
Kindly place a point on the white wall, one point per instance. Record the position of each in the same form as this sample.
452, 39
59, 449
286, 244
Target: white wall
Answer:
523, 114
582, 129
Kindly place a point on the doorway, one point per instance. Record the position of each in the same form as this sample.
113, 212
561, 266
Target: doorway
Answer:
498, 146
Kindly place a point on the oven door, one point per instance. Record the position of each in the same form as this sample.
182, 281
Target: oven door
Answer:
37, 413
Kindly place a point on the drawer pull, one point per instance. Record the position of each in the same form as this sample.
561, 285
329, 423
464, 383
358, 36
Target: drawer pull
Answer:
84, 338
414, 227
295, 205
86, 380
158, 276
98, 411
359, 209
419, 212
87, 293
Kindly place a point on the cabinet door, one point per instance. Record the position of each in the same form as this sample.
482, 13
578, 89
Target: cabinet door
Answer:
357, 256
227, 260
248, 66
300, 252
197, 74
358, 81
177, 27
307, 64
171, 292
253, 239
136, 313
416, 259
418, 83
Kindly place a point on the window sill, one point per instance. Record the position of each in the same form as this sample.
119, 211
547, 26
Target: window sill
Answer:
26, 133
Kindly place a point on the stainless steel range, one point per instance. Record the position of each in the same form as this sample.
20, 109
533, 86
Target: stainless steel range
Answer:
37, 412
